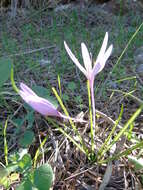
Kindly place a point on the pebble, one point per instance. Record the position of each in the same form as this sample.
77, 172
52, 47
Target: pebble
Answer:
138, 58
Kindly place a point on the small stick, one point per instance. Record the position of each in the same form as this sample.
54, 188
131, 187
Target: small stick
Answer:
107, 118
31, 51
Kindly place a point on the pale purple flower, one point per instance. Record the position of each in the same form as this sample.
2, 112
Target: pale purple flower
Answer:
39, 104
89, 71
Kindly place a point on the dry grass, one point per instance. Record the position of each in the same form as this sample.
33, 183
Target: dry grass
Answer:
37, 36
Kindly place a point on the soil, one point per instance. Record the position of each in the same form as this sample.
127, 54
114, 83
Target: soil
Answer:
72, 168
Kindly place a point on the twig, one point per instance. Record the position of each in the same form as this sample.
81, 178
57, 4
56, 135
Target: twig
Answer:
107, 118
31, 51
79, 173
138, 101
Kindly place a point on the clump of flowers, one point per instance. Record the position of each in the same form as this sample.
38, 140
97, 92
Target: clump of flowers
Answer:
46, 108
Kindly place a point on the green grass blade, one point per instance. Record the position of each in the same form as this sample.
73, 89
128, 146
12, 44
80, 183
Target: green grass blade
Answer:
59, 84
129, 94
129, 134
124, 153
38, 151
13, 82
91, 119
5, 143
129, 122
126, 78
66, 135
105, 144
67, 114
61, 104
126, 47
122, 54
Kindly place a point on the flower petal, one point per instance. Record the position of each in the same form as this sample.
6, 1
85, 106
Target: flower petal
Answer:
86, 58
107, 54
43, 108
39, 104
98, 66
96, 69
26, 89
74, 59
103, 47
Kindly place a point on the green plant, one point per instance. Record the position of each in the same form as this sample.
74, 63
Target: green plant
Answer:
20, 164
46, 108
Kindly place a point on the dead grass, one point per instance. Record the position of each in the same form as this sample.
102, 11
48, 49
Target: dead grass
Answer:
39, 36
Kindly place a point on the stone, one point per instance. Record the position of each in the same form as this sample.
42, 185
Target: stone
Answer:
138, 52
139, 69
112, 84
138, 58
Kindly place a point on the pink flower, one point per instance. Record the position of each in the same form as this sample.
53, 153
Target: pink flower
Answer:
103, 55
39, 104
89, 71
